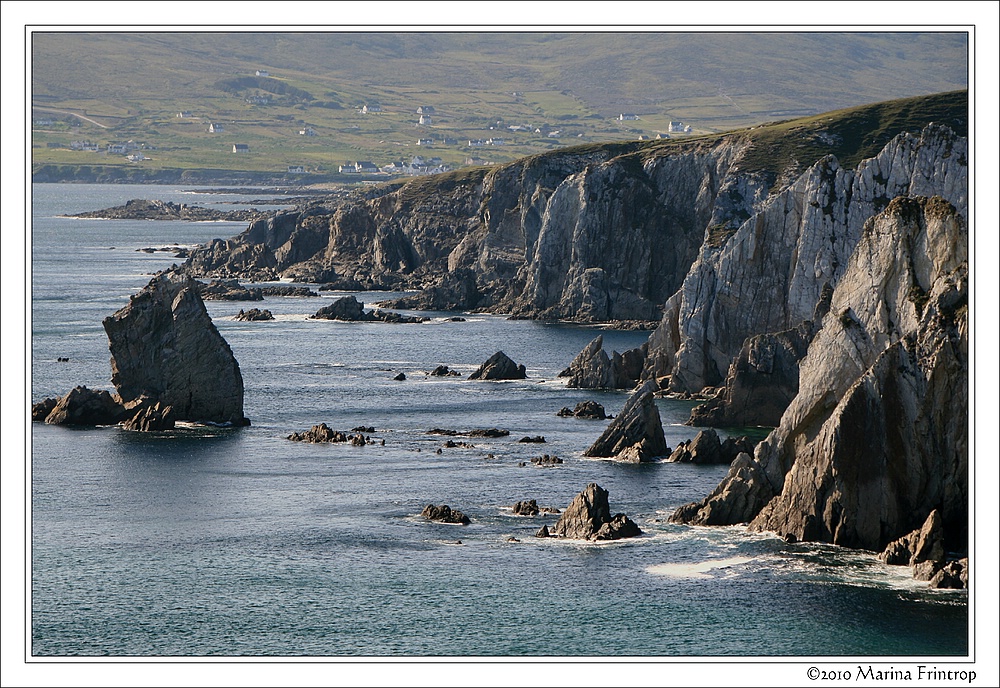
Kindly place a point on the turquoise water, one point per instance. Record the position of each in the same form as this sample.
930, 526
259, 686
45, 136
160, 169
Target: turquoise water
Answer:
205, 542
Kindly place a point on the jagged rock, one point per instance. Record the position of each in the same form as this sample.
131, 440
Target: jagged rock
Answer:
444, 514
41, 409
769, 274
165, 347
228, 290
254, 315
706, 448
153, 418
83, 406
954, 574
537, 439
762, 380
543, 532
400, 377
877, 436
444, 371
499, 367
924, 544
546, 460
636, 434
593, 369
526, 508
588, 517
584, 409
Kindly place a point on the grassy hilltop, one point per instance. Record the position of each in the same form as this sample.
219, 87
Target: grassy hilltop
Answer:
555, 90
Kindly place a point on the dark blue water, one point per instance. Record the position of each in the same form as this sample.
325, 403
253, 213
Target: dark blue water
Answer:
239, 542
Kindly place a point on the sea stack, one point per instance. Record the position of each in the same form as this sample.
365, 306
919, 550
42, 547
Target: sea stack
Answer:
165, 347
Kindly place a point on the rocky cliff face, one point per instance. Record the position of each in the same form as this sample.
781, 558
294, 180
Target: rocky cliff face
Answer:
599, 234
770, 274
165, 348
877, 436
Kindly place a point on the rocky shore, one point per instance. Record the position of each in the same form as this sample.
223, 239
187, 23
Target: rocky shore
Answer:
826, 298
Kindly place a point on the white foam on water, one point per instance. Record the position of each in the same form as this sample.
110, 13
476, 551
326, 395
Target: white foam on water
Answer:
697, 569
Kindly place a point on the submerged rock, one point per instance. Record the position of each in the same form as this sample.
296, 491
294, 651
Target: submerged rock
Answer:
499, 367
636, 434
588, 517
164, 347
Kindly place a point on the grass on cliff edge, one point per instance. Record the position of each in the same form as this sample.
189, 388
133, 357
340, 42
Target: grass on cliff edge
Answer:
851, 134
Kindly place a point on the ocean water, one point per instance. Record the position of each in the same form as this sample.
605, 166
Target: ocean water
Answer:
238, 542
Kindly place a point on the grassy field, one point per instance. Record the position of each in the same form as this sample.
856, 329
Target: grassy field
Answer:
116, 87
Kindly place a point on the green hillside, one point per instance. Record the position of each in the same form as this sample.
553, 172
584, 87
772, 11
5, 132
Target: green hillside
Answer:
538, 92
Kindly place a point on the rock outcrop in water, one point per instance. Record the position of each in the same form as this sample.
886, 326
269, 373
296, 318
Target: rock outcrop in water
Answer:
877, 436
445, 514
594, 369
588, 517
349, 309
499, 366
636, 434
80, 406
165, 348
141, 209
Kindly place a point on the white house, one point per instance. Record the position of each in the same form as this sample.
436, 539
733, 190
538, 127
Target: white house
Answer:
424, 120
425, 110
425, 142
241, 148
626, 116
257, 100
183, 113
495, 142
117, 148
84, 146
308, 131
215, 128
296, 169
349, 168
371, 108
262, 72
678, 127
366, 167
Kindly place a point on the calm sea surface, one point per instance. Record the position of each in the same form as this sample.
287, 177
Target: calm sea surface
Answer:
208, 541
